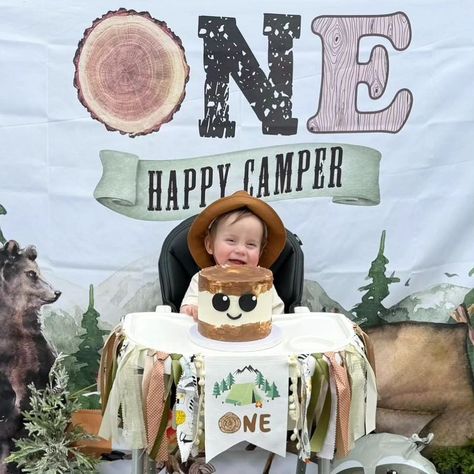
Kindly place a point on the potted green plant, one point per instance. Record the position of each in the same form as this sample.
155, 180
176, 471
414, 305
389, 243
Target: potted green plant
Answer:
51, 444
454, 460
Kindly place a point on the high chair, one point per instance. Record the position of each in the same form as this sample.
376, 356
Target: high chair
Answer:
176, 267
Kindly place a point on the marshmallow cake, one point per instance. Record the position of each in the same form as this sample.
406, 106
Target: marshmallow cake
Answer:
235, 303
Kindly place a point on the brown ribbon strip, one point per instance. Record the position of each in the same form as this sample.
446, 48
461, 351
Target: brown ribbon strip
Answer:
155, 390
108, 365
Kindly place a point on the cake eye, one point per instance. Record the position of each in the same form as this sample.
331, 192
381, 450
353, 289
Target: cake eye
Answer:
247, 302
220, 302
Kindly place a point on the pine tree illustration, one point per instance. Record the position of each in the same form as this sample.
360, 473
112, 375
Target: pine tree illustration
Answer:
87, 356
368, 312
216, 390
230, 380
266, 386
224, 386
259, 380
273, 392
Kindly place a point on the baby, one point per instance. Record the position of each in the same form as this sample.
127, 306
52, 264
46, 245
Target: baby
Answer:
235, 230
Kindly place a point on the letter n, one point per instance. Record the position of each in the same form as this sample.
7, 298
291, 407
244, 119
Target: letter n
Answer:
226, 53
342, 74
249, 424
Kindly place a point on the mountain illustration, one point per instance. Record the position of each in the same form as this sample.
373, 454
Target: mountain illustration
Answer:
134, 288
317, 300
434, 305
247, 368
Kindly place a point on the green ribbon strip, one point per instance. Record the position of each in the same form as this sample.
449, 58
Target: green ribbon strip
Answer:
317, 440
175, 189
321, 373
176, 369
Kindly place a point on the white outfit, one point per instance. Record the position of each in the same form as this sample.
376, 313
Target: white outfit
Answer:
191, 296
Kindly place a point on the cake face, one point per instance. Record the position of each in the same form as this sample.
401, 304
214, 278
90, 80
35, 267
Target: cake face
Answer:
235, 302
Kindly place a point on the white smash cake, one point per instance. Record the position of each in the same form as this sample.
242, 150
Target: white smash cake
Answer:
235, 303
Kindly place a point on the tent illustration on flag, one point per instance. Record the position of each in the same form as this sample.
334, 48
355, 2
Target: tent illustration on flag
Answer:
243, 394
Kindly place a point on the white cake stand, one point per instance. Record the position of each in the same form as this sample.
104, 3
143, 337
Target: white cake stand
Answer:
273, 339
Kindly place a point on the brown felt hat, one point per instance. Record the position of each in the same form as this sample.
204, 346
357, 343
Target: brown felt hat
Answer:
241, 199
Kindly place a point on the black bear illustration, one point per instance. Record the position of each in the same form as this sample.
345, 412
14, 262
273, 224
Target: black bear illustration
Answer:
25, 356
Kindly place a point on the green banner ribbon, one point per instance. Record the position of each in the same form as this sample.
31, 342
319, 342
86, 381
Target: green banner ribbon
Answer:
175, 189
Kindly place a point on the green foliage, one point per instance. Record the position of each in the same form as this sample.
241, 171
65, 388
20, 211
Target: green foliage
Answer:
62, 331
87, 356
368, 312
469, 298
454, 459
48, 446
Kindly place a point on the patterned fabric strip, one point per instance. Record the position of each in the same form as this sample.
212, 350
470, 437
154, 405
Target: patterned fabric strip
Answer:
306, 366
186, 409
155, 449
155, 404
173, 379
343, 388
131, 399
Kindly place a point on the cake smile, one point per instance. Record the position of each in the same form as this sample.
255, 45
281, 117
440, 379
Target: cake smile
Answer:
234, 317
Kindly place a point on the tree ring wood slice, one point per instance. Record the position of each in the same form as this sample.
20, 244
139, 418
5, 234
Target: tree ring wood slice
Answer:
131, 72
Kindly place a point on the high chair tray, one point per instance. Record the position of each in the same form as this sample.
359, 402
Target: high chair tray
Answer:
300, 333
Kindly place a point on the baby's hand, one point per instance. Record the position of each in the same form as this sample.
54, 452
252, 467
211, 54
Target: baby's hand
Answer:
190, 310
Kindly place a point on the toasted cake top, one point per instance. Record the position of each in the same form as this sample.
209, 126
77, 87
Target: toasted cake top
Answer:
235, 279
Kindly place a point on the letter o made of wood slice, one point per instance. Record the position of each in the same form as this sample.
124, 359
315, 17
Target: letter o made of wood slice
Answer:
131, 72
229, 423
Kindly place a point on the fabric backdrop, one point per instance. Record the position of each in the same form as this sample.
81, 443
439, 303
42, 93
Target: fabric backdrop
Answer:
353, 119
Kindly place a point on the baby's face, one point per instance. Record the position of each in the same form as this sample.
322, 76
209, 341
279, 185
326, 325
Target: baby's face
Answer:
237, 242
